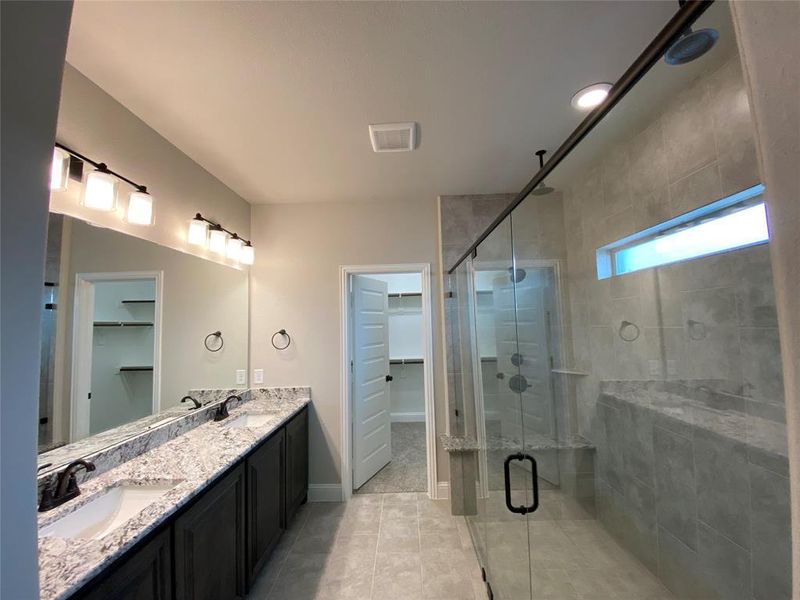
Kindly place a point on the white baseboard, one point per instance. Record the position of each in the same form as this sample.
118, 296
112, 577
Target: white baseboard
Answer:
325, 492
408, 417
442, 490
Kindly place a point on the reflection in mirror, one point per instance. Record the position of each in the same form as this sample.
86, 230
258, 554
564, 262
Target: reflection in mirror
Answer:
126, 326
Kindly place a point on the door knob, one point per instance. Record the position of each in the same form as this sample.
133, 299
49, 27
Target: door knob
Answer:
389, 378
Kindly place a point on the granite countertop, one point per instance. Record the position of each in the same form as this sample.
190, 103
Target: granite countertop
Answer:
193, 460
736, 423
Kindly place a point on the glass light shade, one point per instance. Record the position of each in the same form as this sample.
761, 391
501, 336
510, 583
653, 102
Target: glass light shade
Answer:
247, 255
590, 96
234, 248
59, 171
217, 241
198, 233
99, 191
140, 208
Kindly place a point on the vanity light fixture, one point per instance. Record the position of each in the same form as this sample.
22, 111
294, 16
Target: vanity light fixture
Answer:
234, 247
590, 96
207, 233
140, 207
217, 239
100, 186
247, 256
59, 171
100, 189
198, 231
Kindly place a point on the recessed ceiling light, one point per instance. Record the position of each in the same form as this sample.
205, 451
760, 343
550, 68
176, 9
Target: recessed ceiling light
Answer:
590, 96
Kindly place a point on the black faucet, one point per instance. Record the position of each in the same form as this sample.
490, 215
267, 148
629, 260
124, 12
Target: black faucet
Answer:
222, 411
66, 487
196, 403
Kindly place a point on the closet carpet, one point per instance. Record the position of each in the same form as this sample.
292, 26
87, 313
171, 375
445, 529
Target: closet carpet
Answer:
407, 471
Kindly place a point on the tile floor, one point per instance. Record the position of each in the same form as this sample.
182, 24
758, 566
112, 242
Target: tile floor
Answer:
407, 472
572, 556
376, 547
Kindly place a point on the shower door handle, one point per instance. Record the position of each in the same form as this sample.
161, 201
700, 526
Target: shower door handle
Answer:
522, 510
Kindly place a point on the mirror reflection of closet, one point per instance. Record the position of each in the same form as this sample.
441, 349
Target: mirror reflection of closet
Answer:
124, 322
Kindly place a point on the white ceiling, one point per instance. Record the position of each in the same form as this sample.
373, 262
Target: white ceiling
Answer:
274, 99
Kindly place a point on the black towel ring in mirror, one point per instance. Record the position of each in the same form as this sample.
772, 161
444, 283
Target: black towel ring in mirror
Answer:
633, 335
284, 334
218, 336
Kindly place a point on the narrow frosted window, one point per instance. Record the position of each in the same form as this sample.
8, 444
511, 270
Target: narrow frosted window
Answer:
735, 222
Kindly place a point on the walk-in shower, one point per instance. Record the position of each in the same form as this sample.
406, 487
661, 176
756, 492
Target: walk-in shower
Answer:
627, 407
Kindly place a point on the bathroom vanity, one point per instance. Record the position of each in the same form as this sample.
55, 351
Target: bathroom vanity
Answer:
213, 503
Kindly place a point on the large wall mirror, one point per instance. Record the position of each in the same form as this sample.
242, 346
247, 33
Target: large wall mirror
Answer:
129, 328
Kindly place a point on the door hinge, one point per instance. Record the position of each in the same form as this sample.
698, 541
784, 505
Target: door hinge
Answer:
89, 396
456, 411
552, 362
351, 366
50, 306
448, 294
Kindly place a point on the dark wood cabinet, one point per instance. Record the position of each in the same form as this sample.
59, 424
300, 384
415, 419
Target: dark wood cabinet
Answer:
210, 543
265, 502
296, 463
215, 547
146, 574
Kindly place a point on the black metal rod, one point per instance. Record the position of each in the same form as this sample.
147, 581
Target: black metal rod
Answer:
686, 15
101, 166
228, 231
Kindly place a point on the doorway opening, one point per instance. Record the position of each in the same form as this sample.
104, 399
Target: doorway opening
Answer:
387, 380
116, 347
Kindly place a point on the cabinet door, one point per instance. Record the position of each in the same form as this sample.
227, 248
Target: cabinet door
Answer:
210, 543
265, 507
296, 463
145, 575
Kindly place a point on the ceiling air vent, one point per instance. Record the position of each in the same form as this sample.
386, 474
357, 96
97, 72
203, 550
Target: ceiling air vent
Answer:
393, 137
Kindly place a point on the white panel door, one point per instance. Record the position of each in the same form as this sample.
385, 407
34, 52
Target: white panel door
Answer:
372, 448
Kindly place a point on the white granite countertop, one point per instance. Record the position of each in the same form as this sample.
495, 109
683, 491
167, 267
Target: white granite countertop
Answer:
193, 459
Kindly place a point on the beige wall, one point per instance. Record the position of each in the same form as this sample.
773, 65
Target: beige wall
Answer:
295, 285
770, 49
93, 123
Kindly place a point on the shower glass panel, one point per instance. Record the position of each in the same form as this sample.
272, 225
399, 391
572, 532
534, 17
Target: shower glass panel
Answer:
503, 483
652, 400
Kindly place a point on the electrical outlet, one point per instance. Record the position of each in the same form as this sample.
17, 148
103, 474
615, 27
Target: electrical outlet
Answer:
258, 376
241, 375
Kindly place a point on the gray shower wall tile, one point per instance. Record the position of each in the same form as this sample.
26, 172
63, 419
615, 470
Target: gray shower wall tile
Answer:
762, 375
676, 495
688, 132
648, 161
696, 189
724, 565
723, 485
771, 535
679, 569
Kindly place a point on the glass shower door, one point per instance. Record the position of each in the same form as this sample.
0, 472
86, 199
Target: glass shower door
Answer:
507, 477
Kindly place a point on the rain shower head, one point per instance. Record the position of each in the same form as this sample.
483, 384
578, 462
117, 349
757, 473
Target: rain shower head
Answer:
541, 189
691, 45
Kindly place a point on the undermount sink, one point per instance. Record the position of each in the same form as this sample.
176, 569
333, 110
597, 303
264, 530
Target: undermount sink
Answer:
246, 420
107, 511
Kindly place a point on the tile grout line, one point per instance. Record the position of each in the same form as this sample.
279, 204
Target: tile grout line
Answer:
375, 560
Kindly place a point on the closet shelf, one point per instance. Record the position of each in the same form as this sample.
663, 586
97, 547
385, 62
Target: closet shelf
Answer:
133, 369
406, 361
122, 324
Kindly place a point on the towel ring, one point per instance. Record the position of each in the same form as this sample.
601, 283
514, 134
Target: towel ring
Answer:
215, 334
623, 326
284, 334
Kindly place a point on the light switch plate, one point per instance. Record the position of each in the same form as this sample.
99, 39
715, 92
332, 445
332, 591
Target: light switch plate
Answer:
241, 374
258, 376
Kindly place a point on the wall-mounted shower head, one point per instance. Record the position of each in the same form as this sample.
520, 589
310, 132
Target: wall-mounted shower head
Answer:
691, 45
541, 189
